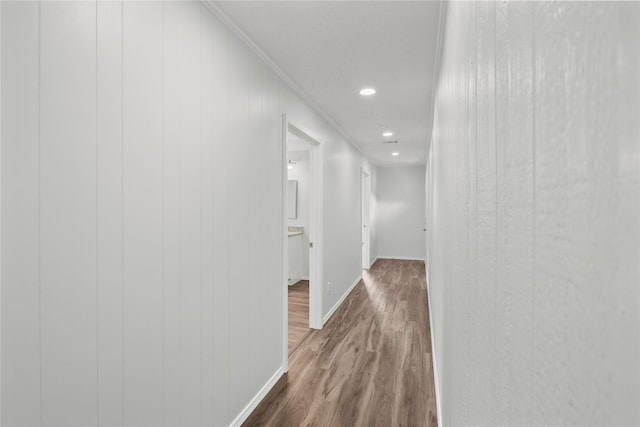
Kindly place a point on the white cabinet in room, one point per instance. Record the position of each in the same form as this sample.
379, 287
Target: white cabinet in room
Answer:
295, 257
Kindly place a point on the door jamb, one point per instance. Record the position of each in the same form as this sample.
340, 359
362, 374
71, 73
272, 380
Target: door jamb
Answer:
365, 194
315, 236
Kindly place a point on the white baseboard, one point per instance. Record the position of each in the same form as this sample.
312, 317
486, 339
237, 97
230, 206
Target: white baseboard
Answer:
340, 301
374, 261
406, 258
433, 360
297, 279
242, 417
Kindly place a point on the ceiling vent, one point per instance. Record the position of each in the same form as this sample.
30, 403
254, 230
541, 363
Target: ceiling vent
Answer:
395, 141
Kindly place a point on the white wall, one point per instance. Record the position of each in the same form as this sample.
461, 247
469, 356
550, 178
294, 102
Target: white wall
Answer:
301, 173
400, 212
342, 249
141, 268
533, 199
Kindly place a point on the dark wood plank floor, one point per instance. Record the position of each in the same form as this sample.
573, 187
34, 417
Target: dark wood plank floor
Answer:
298, 313
369, 366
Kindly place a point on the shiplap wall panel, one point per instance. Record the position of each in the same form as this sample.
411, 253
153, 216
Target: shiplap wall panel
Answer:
207, 138
182, 205
555, 312
264, 277
255, 267
271, 206
68, 213
258, 269
274, 153
190, 215
179, 322
20, 215
173, 79
272, 140
109, 199
239, 215
222, 277
143, 227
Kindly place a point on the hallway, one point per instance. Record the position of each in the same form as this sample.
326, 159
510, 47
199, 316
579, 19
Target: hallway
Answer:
146, 197
371, 363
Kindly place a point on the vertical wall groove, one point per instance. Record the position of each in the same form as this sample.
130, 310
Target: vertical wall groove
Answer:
122, 3
97, 235
39, 207
533, 139
164, 78
201, 198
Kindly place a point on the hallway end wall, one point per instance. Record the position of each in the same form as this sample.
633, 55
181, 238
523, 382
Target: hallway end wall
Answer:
400, 212
533, 208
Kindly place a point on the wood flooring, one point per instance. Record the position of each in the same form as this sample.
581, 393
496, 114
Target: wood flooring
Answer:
298, 313
369, 366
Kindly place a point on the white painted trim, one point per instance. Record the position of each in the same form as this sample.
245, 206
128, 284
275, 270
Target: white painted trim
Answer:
285, 244
315, 234
316, 260
433, 360
228, 22
405, 258
295, 280
242, 417
315, 222
341, 300
0, 211
374, 260
365, 221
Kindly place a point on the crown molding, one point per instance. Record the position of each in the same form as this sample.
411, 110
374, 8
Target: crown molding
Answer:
215, 9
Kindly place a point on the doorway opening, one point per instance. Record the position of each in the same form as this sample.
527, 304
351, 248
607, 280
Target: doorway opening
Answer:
365, 196
302, 210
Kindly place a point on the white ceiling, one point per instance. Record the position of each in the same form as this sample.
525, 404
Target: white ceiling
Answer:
332, 49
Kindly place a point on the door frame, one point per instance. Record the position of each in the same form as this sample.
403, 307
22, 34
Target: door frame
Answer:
365, 217
315, 233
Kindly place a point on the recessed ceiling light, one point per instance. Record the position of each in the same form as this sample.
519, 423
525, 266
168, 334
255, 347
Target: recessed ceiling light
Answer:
368, 91
387, 134
395, 153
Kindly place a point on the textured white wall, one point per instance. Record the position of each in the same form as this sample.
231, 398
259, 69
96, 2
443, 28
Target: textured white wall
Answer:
141, 268
534, 211
400, 204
